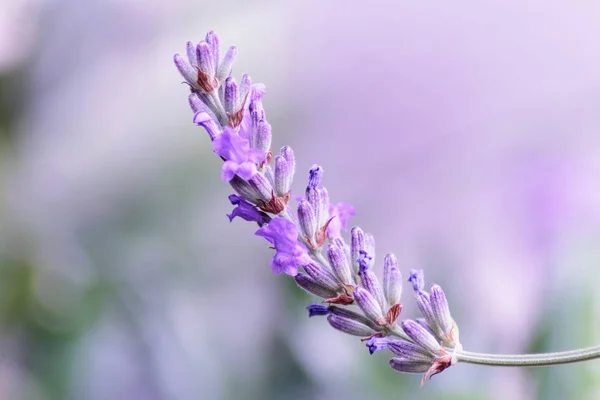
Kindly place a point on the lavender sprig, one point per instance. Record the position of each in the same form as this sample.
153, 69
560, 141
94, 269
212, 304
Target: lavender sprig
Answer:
307, 238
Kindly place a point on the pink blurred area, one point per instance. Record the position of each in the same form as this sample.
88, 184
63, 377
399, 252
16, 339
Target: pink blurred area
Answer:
465, 134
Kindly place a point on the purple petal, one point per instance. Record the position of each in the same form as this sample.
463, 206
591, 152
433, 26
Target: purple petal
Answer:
246, 170
290, 253
228, 170
342, 213
247, 211
204, 119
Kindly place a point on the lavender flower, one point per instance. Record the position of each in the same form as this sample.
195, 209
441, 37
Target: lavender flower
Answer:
340, 213
234, 117
282, 234
239, 158
317, 309
247, 211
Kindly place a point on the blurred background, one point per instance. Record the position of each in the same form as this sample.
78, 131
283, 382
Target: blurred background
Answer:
466, 134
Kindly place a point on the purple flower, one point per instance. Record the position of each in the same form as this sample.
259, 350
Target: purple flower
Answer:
317, 309
247, 211
253, 112
341, 213
239, 158
376, 344
417, 279
364, 261
204, 119
289, 252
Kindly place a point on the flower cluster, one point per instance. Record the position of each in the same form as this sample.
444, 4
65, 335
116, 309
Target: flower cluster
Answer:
308, 241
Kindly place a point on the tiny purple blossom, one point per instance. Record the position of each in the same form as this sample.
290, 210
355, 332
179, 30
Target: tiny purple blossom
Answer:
204, 119
417, 279
317, 309
341, 213
376, 344
247, 211
290, 253
364, 261
240, 159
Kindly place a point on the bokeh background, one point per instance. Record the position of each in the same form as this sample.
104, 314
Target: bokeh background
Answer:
465, 133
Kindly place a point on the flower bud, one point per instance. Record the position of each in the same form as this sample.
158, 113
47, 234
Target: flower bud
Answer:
357, 243
230, 97
370, 247
368, 304
409, 367
369, 281
441, 311
324, 207
349, 325
245, 190
283, 178
185, 69
392, 279
315, 176
263, 136
224, 69
191, 54
288, 154
322, 276
339, 263
306, 219
311, 286
262, 186
424, 305
421, 337
417, 279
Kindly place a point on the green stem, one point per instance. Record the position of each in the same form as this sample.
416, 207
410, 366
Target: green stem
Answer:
529, 360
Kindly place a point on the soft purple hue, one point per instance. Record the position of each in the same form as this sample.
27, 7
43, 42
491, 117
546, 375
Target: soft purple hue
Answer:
340, 214
247, 211
290, 254
240, 159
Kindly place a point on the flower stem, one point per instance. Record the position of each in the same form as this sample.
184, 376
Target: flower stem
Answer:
529, 360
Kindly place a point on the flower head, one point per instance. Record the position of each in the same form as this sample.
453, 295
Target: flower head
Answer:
290, 253
240, 158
